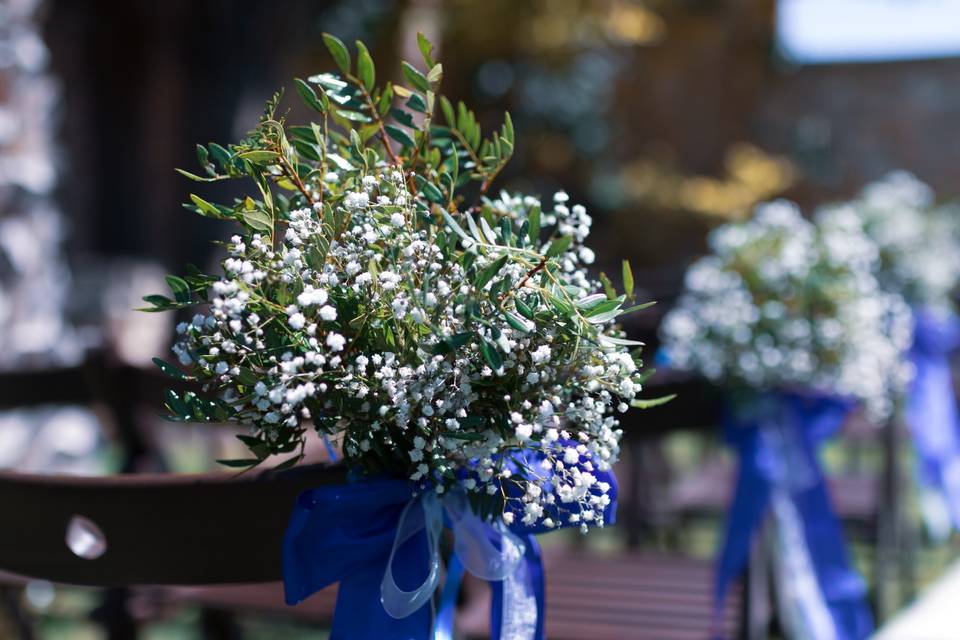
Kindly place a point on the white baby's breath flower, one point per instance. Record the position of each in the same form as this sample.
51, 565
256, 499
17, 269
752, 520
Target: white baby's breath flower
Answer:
297, 321
335, 341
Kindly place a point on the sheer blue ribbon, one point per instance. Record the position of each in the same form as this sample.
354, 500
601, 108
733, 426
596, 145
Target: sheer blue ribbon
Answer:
931, 413
380, 542
776, 436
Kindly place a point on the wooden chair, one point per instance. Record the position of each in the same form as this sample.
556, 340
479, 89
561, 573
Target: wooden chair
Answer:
214, 540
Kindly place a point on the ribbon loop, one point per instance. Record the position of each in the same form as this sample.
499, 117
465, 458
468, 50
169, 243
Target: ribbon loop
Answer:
397, 602
490, 552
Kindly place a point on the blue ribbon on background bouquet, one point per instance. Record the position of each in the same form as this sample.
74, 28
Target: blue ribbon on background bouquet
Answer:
379, 538
776, 436
931, 413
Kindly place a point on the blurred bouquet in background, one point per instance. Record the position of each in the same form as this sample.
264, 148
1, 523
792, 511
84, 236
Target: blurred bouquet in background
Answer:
782, 303
34, 279
917, 240
919, 258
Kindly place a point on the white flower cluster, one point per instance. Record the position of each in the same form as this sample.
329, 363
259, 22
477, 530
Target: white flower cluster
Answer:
917, 240
783, 303
426, 350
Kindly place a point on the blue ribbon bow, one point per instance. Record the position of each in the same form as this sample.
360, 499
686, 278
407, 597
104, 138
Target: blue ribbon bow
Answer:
776, 436
379, 539
931, 413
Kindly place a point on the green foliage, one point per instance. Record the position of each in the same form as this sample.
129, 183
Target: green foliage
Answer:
361, 125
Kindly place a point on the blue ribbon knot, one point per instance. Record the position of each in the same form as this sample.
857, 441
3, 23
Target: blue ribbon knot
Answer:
379, 538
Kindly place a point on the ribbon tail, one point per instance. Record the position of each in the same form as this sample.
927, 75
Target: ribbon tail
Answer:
518, 610
448, 599
359, 615
932, 415
750, 501
843, 589
807, 514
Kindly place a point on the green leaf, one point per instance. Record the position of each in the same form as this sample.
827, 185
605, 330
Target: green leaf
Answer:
591, 301
606, 316
435, 74
250, 462
169, 370
627, 279
431, 192
520, 324
464, 435
640, 307
491, 355
179, 287
534, 218
328, 81
653, 402
289, 462
457, 229
506, 230
448, 113
352, 116
603, 307
341, 162
339, 51
621, 342
607, 286
308, 95
258, 220
247, 377
416, 103
414, 77
508, 128
400, 136
562, 306
426, 49
259, 156
558, 246
158, 300
452, 343
259, 448
219, 154
203, 158
487, 274
386, 99
474, 229
365, 68
524, 309
176, 404
205, 208
490, 234
197, 178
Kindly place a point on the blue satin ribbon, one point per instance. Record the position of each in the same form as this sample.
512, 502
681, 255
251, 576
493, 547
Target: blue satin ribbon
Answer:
379, 541
448, 599
776, 436
931, 413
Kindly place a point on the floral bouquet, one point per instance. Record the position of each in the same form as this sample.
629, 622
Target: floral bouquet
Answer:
450, 342
784, 304
919, 258
790, 316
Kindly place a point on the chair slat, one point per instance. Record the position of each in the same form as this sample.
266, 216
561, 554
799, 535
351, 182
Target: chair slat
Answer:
160, 529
